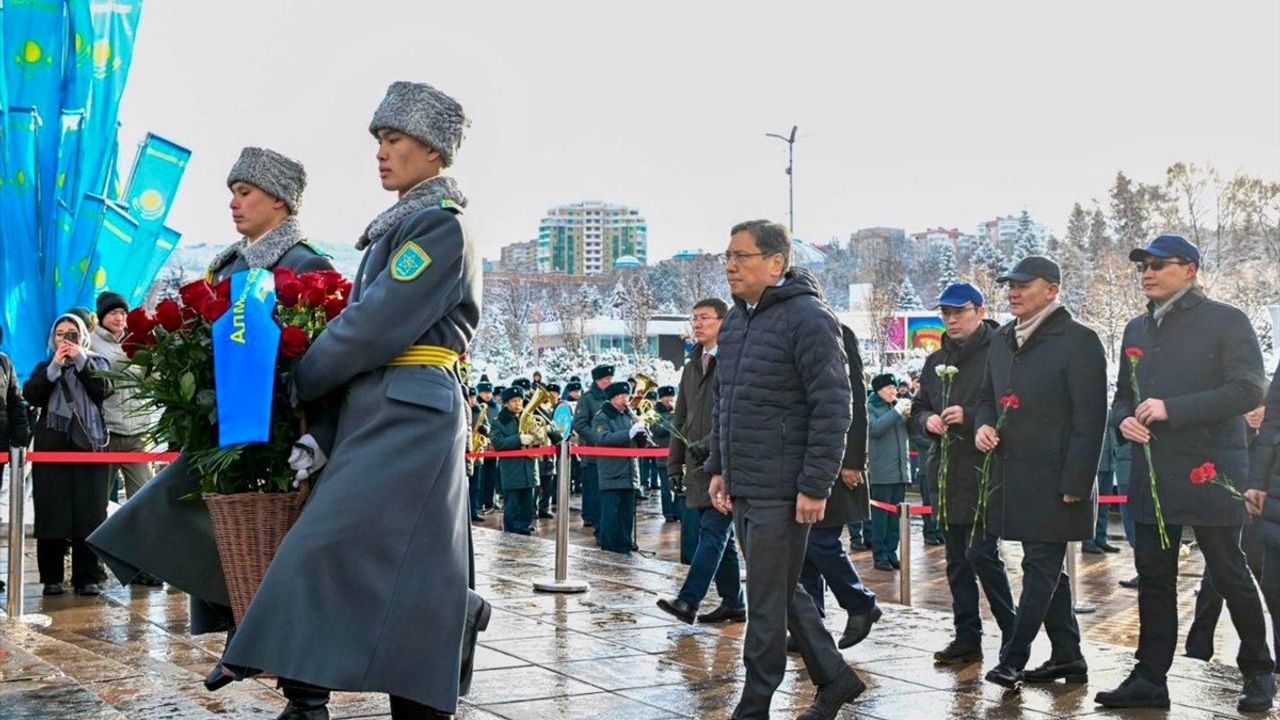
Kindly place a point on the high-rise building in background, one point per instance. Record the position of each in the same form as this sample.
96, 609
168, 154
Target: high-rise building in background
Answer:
589, 237
521, 257
1002, 232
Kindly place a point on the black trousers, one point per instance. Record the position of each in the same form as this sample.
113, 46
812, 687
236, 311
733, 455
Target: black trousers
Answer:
546, 485
51, 556
305, 695
1209, 600
1046, 600
1158, 598
967, 567
774, 546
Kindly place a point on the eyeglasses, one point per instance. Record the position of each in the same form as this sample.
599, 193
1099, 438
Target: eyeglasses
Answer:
737, 257
1157, 264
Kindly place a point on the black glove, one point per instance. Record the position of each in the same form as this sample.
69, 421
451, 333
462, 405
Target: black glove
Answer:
640, 440
677, 484
699, 451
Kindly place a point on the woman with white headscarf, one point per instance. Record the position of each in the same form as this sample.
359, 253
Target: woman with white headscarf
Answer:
70, 499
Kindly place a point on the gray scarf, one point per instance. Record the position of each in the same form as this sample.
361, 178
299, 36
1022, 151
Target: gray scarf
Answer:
70, 401
268, 249
426, 194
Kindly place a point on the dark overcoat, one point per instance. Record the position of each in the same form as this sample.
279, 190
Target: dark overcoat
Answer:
1204, 362
611, 428
70, 499
163, 531
970, 357
516, 473
1050, 446
693, 420
847, 506
368, 592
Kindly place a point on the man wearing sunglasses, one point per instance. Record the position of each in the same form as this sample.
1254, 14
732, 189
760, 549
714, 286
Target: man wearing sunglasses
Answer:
1199, 372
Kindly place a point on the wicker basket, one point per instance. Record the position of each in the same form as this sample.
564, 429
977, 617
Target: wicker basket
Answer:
248, 528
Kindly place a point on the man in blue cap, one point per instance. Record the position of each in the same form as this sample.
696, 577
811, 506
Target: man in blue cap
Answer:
935, 412
1199, 368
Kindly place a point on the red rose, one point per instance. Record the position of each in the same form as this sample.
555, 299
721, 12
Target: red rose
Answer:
1133, 353
133, 342
1010, 401
334, 307
190, 314
315, 296
289, 292
139, 321
169, 315
332, 280
222, 290
293, 341
213, 309
196, 294
345, 288
312, 280
284, 275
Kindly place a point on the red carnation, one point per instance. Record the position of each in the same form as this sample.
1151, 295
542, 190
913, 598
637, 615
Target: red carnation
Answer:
293, 341
169, 315
1133, 353
1199, 477
213, 309
334, 307
1010, 401
289, 292
139, 321
284, 275
196, 294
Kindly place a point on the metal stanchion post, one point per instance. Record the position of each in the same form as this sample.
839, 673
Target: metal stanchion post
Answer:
17, 534
904, 542
562, 583
1073, 570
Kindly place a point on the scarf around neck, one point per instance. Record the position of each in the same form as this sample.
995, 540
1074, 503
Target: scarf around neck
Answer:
1024, 330
70, 400
427, 194
266, 251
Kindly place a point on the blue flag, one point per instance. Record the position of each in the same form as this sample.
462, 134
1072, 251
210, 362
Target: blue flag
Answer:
160, 253
115, 23
71, 273
246, 341
157, 171
109, 269
24, 327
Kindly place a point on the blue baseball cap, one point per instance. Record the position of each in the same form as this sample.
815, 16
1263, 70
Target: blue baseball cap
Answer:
1168, 246
959, 295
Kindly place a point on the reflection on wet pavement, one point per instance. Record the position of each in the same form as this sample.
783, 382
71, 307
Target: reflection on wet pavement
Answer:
608, 653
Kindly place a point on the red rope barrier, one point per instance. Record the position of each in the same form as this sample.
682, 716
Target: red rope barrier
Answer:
41, 456
887, 507
547, 451
1113, 499
614, 452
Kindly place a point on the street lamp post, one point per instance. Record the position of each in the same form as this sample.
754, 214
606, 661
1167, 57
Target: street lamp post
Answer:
791, 178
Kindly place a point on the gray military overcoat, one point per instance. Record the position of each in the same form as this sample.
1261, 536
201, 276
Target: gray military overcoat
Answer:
368, 591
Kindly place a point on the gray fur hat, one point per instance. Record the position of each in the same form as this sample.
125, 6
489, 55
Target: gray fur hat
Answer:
425, 114
272, 173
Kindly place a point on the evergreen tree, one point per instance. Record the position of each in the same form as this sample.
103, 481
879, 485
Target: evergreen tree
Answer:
1026, 241
985, 256
907, 297
1077, 228
1099, 238
946, 267
1128, 213
618, 299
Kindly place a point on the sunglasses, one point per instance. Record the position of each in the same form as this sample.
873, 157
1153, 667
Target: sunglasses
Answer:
1157, 264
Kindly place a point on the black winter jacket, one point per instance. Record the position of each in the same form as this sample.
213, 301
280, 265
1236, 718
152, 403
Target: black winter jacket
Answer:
783, 404
847, 506
15, 431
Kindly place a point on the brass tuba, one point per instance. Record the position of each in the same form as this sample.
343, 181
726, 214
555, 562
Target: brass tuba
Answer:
478, 441
532, 422
639, 403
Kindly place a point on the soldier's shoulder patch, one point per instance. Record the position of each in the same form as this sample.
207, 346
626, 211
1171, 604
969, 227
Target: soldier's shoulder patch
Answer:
409, 262
451, 205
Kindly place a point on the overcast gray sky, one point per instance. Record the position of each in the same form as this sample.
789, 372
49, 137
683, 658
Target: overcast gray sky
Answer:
911, 114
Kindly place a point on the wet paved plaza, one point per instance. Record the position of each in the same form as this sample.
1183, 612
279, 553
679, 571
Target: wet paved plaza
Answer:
608, 653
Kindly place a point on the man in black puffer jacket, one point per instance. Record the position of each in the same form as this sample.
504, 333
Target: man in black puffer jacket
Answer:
782, 409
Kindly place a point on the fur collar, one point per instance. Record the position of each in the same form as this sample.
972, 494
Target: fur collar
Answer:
426, 194
264, 253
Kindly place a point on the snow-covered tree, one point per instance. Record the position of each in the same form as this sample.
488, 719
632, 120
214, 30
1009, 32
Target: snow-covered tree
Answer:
907, 297
1026, 241
945, 266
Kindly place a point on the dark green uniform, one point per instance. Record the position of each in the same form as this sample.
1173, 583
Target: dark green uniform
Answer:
619, 479
519, 476
583, 415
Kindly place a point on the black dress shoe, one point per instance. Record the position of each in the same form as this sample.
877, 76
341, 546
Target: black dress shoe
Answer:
148, 580
293, 711
1091, 548
1135, 692
1257, 694
1108, 547
219, 677
724, 613
546, 515
1073, 671
833, 696
934, 540
883, 566
959, 653
479, 612
1131, 583
1005, 676
89, 590
896, 563
51, 589
672, 518
679, 609
477, 519
857, 627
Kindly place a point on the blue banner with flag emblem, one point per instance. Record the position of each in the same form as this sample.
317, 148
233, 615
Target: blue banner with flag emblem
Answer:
160, 252
246, 341
25, 324
110, 269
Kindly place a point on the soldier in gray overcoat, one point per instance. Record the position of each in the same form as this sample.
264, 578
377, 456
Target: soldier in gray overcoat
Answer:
368, 591
162, 531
